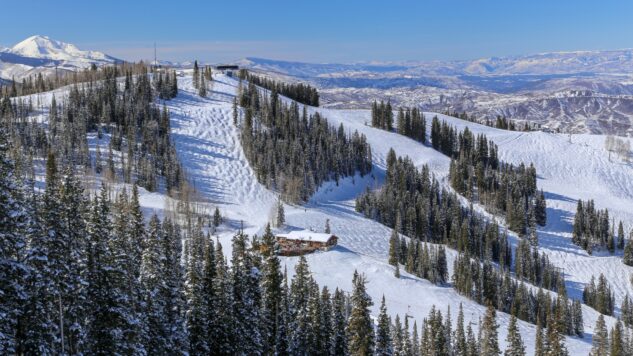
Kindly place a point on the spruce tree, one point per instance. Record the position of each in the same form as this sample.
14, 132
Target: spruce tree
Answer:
111, 327
281, 215
246, 291
460, 347
627, 258
47, 249
173, 286
383, 334
157, 329
271, 292
13, 269
202, 86
515, 345
74, 215
489, 342
196, 75
616, 341
223, 323
360, 332
555, 332
196, 315
394, 248
600, 340
620, 236
217, 218
339, 340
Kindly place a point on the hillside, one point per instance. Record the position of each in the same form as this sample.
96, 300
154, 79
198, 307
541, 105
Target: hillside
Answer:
209, 146
206, 138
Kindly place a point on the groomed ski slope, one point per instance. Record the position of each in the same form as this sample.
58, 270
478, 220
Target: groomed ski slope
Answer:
208, 145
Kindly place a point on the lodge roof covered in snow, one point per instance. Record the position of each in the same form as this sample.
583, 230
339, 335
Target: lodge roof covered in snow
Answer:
306, 235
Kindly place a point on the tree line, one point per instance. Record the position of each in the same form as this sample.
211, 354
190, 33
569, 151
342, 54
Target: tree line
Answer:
477, 173
483, 283
299, 92
617, 342
293, 152
420, 259
592, 229
139, 148
599, 296
84, 274
33, 84
500, 122
412, 202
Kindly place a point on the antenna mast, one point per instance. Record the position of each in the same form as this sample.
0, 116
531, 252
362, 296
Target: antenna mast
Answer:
155, 61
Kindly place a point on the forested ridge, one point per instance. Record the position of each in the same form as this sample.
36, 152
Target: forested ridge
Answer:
502, 188
299, 92
122, 105
293, 152
83, 274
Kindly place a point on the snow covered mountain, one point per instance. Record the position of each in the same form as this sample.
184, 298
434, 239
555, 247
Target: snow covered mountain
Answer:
41, 54
540, 88
208, 144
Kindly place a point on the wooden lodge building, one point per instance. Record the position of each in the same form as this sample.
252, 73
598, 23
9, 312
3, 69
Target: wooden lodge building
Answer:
297, 243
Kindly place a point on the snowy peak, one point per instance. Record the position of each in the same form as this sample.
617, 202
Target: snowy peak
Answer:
46, 48
46, 56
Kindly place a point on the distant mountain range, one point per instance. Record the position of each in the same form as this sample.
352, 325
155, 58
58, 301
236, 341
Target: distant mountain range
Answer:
588, 91
41, 54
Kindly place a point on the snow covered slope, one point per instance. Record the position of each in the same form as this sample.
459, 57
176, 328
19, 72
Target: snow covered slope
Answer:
208, 145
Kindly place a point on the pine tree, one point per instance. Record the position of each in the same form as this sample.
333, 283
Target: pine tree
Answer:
157, 328
136, 233
281, 216
489, 343
173, 284
245, 280
202, 86
13, 269
47, 249
196, 75
299, 297
111, 327
74, 215
620, 236
459, 339
394, 248
223, 324
515, 345
235, 112
617, 342
282, 340
196, 314
217, 218
627, 258
555, 331
271, 292
383, 335
360, 332
600, 341
339, 340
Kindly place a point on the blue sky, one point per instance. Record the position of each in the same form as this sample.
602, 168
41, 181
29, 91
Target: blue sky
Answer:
323, 31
